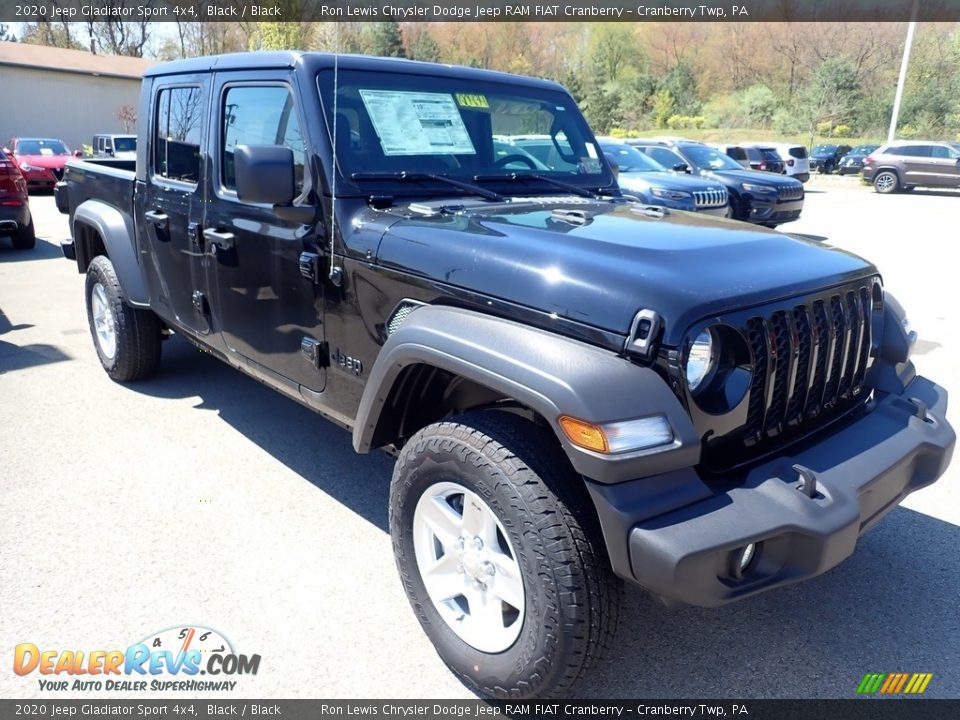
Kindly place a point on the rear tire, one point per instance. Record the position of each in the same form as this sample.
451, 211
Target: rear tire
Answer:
886, 182
127, 339
540, 529
25, 238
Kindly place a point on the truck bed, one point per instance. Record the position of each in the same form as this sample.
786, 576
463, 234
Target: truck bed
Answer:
106, 179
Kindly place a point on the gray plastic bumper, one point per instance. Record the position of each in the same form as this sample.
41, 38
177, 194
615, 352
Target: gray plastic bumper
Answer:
861, 473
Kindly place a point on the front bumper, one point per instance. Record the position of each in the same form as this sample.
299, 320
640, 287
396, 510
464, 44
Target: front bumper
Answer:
678, 538
761, 210
42, 177
851, 168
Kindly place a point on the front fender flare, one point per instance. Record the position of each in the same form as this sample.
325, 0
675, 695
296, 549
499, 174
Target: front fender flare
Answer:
116, 230
551, 374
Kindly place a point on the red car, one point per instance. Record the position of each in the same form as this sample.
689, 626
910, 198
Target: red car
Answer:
15, 218
40, 160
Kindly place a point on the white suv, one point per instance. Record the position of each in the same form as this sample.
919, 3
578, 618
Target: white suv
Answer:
795, 159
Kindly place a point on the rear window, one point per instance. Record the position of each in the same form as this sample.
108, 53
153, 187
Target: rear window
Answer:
798, 152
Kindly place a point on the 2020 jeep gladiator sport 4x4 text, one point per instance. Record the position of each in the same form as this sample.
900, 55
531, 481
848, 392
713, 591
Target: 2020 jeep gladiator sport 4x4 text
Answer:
579, 388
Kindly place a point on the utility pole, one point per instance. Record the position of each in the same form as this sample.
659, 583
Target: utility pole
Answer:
911, 26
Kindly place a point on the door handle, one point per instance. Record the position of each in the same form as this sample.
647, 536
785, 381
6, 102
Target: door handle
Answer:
156, 217
218, 239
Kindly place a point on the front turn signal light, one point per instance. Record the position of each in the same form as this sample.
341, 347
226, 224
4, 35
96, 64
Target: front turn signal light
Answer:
584, 434
618, 437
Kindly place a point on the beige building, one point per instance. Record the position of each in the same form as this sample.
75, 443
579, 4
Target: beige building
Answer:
66, 94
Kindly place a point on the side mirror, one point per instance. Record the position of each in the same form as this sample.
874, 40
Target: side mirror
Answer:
78, 153
681, 167
264, 174
8, 151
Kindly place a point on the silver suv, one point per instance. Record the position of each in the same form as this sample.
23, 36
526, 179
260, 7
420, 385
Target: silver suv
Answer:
906, 164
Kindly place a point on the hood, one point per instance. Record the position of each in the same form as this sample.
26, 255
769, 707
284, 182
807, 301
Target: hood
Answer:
641, 181
50, 162
757, 177
614, 260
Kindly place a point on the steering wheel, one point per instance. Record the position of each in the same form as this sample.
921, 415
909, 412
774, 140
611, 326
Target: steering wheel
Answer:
507, 159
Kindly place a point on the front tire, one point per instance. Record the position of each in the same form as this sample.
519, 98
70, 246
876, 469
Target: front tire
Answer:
501, 555
127, 339
886, 182
25, 238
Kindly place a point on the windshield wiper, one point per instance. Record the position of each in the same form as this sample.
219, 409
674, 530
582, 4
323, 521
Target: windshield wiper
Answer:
575, 189
404, 175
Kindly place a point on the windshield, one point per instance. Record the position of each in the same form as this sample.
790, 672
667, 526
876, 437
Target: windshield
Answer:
824, 149
707, 158
124, 144
631, 160
863, 149
391, 124
41, 147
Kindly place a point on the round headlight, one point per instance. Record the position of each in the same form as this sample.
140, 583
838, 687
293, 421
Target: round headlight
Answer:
700, 359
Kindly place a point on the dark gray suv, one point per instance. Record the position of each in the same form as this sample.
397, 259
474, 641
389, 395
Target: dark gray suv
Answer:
906, 164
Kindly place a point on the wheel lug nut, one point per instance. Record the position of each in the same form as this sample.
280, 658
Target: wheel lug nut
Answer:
489, 568
478, 543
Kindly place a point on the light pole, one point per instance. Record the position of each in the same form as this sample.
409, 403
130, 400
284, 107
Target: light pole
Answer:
911, 26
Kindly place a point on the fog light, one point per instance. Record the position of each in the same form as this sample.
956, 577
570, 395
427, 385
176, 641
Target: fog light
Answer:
743, 559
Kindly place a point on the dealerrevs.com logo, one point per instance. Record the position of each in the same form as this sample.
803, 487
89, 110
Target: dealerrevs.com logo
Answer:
172, 659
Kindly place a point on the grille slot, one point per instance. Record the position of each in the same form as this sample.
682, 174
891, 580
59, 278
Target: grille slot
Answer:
808, 359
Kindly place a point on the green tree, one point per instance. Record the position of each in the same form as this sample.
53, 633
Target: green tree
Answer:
385, 39
759, 104
421, 45
681, 83
664, 108
831, 95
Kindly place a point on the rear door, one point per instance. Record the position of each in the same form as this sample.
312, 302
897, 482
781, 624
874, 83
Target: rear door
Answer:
944, 166
170, 205
265, 308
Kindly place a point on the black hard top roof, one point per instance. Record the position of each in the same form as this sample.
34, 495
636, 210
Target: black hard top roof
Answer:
314, 62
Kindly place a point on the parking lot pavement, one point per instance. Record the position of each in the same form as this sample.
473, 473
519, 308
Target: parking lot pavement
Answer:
202, 497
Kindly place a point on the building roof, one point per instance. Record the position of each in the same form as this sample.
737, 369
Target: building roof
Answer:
72, 61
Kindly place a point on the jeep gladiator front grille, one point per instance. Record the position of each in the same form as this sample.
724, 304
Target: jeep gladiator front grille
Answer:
809, 359
710, 198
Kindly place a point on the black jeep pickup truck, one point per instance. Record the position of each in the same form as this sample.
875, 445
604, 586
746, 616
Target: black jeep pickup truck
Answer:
579, 388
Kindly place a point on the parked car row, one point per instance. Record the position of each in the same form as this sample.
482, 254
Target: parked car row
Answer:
755, 196
41, 160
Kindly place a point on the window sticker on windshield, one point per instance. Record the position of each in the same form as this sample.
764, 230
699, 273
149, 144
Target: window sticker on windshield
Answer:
417, 123
472, 101
46, 151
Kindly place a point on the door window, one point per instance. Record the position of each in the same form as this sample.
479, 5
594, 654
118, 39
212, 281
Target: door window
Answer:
940, 151
177, 141
259, 116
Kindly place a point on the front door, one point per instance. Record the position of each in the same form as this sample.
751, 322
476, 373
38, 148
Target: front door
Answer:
264, 306
170, 204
